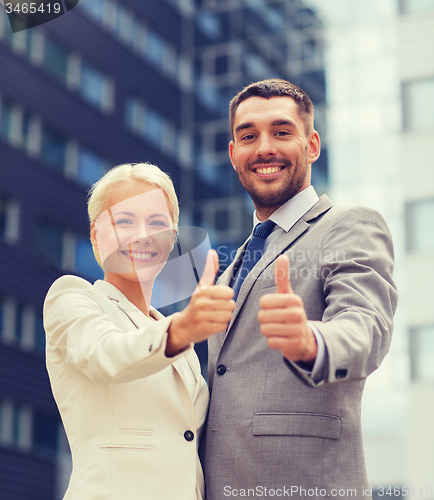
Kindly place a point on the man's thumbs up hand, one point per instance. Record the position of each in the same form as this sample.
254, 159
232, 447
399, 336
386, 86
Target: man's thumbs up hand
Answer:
209, 311
283, 318
281, 275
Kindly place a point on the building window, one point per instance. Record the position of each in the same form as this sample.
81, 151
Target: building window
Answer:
97, 9
419, 217
416, 6
151, 125
55, 59
85, 262
15, 425
90, 166
49, 241
20, 325
6, 112
53, 148
124, 25
418, 102
422, 352
9, 220
96, 87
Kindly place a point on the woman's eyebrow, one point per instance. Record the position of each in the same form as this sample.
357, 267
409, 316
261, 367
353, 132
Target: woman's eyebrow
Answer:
125, 213
159, 215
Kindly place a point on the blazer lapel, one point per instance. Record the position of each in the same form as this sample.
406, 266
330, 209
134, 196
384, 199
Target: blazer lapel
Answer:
270, 255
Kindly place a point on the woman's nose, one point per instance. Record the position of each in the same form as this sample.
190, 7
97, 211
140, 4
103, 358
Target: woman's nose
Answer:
142, 233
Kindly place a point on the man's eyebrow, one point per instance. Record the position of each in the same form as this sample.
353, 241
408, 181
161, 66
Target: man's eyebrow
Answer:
274, 123
243, 126
283, 121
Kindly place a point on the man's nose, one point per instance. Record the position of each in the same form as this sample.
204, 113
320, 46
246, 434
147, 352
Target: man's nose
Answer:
265, 146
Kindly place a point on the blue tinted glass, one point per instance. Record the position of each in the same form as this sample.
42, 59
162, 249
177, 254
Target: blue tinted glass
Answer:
155, 48
85, 262
56, 59
155, 126
95, 8
5, 119
91, 166
49, 242
92, 85
53, 148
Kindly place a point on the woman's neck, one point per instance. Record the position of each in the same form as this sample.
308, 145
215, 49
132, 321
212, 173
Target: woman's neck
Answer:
138, 293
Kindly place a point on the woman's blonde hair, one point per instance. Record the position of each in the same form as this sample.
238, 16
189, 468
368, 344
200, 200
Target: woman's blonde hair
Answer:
100, 192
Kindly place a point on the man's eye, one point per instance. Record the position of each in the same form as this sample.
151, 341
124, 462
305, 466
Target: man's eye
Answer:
248, 137
282, 133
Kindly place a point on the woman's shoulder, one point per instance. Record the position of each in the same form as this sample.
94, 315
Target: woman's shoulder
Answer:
73, 281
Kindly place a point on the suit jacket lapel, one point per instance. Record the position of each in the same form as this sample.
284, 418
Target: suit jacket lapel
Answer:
270, 255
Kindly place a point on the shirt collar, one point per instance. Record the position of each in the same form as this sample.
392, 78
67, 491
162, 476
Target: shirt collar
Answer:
291, 211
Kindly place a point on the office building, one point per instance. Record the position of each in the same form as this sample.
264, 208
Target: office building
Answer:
110, 82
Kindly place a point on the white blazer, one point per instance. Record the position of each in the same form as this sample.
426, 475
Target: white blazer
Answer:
132, 415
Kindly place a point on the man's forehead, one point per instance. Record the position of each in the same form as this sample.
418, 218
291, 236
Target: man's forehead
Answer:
257, 108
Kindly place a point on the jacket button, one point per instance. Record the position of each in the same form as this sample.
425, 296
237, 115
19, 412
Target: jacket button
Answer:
341, 373
221, 369
189, 436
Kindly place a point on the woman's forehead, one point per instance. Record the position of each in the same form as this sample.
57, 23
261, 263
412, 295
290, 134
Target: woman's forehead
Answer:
138, 196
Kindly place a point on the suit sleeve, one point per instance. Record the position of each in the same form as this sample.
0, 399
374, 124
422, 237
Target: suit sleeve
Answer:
81, 333
360, 297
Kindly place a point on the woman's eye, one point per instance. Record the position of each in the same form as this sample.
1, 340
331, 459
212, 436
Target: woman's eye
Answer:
158, 223
123, 222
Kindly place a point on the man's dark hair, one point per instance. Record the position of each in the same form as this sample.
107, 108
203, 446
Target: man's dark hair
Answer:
274, 88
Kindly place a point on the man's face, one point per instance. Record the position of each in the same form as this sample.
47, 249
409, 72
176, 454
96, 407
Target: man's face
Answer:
271, 152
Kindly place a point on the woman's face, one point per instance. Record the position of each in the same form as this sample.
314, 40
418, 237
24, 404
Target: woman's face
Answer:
135, 235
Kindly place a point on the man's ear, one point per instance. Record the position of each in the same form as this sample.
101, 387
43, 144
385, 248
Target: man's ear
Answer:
232, 154
314, 147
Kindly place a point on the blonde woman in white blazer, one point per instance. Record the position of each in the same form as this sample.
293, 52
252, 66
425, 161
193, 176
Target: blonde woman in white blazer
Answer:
127, 380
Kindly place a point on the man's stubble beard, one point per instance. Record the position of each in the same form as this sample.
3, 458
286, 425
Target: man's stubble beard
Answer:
274, 198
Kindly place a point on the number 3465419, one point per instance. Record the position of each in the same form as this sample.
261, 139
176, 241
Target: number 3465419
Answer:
32, 8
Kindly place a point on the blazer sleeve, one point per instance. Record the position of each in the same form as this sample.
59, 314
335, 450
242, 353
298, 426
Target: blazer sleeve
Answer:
79, 329
360, 296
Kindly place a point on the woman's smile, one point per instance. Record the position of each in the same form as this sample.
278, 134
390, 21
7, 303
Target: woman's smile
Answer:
138, 256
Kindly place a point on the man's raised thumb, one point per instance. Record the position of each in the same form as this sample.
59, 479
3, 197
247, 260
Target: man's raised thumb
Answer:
281, 275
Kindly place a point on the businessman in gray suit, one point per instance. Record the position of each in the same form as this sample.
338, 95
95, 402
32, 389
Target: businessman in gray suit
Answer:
314, 306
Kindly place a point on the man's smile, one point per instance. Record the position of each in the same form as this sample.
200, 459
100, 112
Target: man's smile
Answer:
268, 171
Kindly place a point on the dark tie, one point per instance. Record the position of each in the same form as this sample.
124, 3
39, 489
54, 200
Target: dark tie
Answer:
253, 252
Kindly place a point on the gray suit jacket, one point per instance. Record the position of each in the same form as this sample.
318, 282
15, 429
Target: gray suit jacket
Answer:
270, 426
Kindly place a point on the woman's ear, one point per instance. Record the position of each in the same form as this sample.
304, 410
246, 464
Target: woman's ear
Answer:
93, 239
173, 239
94, 242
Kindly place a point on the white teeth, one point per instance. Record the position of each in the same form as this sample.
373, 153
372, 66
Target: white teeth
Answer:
268, 170
137, 255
